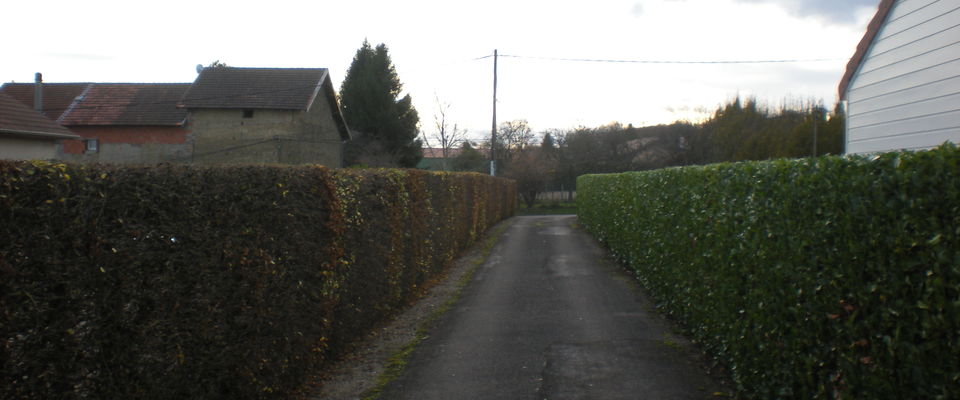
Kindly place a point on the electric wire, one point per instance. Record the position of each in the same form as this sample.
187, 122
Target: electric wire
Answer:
694, 62
541, 58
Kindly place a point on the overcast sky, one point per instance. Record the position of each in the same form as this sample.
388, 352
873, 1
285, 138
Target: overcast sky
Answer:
437, 48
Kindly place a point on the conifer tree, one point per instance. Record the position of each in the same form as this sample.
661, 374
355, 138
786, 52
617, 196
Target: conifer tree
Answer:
384, 126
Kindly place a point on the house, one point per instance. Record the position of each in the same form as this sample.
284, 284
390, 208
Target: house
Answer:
228, 115
25, 134
115, 122
265, 115
434, 160
461, 159
902, 86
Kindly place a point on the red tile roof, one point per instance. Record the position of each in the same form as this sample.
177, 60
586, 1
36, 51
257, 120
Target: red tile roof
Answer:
57, 97
83, 104
258, 88
436, 152
872, 30
129, 104
18, 119
430, 152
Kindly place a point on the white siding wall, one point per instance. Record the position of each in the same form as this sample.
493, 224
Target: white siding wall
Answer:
906, 94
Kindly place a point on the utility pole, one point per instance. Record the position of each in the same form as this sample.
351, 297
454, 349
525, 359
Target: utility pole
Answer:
493, 131
816, 121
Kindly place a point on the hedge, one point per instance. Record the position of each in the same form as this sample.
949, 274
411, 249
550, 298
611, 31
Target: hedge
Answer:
819, 278
231, 282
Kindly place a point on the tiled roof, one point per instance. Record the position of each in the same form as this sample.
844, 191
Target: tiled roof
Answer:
436, 152
18, 119
57, 97
76, 104
872, 30
128, 104
259, 88
431, 152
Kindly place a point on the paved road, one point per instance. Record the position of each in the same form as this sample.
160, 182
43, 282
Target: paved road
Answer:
548, 317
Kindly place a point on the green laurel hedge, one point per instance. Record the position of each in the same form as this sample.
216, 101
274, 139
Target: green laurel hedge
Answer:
820, 278
232, 282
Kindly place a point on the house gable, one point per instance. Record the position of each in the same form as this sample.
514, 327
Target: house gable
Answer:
902, 87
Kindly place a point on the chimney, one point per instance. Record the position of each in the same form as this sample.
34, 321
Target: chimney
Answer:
38, 93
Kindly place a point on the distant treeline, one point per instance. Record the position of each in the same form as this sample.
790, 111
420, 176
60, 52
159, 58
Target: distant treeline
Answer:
739, 130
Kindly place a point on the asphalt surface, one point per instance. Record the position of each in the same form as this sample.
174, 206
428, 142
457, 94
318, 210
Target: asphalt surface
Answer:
548, 316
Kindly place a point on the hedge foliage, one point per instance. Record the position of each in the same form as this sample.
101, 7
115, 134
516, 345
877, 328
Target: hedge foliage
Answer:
820, 278
233, 282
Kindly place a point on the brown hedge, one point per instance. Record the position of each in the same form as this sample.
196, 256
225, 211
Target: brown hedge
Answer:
233, 282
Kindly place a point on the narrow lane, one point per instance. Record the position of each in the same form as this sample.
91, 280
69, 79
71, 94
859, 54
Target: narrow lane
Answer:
548, 317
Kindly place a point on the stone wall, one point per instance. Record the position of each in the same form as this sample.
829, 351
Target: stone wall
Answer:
263, 136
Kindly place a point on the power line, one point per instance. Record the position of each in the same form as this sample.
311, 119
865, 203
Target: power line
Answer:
615, 61
564, 59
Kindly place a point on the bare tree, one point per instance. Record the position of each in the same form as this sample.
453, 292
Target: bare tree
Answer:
513, 137
446, 136
531, 169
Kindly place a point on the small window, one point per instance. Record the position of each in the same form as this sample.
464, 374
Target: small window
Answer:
92, 145
248, 113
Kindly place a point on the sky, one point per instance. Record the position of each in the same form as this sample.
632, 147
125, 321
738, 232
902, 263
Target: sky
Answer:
441, 50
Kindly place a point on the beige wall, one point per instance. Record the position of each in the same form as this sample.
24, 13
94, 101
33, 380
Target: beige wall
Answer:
270, 137
27, 149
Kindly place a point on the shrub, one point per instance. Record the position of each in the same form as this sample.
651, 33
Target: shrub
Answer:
232, 282
826, 277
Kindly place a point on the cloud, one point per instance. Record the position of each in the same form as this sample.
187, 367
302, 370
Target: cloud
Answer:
637, 10
844, 11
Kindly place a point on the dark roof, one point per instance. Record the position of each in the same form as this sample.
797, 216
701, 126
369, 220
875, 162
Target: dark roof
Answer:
872, 30
128, 104
18, 119
57, 97
76, 104
262, 88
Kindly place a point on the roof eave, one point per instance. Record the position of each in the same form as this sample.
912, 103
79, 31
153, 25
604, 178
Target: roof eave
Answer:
324, 76
39, 135
165, 125
853, 67
327, 85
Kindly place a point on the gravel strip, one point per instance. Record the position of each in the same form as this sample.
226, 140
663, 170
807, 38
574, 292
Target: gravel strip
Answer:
358, 373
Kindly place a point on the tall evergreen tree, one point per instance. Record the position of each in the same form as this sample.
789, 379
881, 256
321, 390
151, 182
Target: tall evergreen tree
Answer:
385, 128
